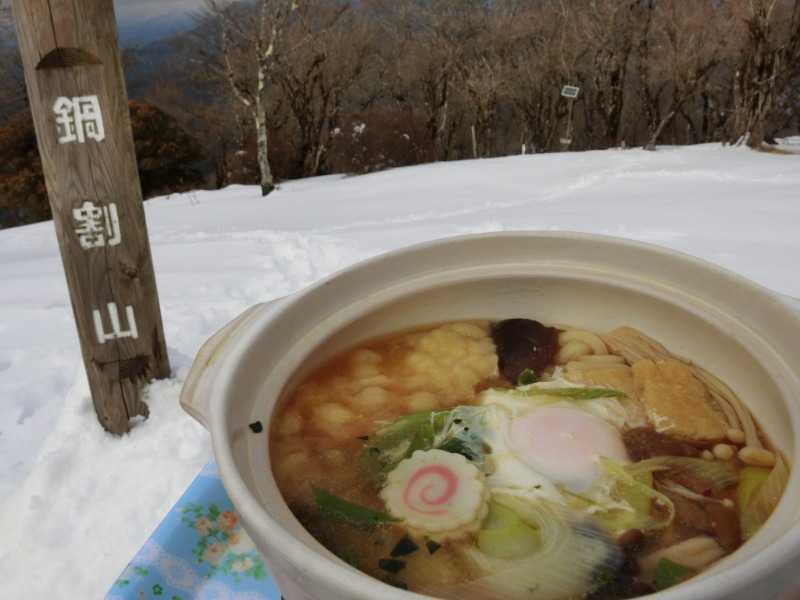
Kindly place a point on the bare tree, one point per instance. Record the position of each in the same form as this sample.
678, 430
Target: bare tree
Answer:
610, 30
768, 65
193, 85
682, 47
332, 48
252, 40
436, 39
546, 56
224, 131
485, 77
303, 87
13, 94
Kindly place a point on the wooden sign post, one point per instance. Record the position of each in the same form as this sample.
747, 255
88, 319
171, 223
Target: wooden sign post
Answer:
70, 53
571, 92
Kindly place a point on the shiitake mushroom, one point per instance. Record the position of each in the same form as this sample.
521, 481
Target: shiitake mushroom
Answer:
523, 344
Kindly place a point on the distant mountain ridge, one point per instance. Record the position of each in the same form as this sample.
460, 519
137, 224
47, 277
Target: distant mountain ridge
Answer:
151, 30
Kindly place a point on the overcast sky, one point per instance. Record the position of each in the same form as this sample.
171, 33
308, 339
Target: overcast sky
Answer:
133, 11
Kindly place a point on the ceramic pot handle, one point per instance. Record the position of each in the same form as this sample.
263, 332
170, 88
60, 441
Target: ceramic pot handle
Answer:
197, 391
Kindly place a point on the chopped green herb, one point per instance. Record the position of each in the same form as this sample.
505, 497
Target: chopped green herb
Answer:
669, 573
457, 445
526, 377
363, 437
451, 430
350, 556
604, 576
335, 507
401, 438
404, 547
392, 565
432, 545
576, 393
394, 582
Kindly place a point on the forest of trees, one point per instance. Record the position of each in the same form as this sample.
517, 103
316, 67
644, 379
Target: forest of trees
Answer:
271, 89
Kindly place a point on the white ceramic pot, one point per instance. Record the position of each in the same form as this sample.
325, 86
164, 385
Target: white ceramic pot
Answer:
746, 335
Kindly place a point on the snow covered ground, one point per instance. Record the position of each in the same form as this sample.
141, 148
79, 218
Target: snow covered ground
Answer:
77, 503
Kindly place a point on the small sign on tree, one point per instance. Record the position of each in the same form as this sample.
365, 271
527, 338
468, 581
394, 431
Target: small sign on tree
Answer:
570, 91
73, 73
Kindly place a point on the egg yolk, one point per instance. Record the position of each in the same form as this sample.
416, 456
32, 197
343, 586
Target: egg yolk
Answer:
564, 444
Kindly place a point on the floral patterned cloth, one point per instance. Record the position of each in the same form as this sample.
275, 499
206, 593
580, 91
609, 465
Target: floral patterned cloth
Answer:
199, 552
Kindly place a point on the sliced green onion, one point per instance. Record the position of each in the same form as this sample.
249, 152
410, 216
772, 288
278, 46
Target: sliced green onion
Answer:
335, 507
457, 430
719, 473
764, 499
575, 393
399, 439
750, 478
505, 535
515, 541
526, 377
669, 573
621, 500
565, 565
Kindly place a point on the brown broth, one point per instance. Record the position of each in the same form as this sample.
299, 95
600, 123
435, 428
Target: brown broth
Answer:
319, 429
323, 426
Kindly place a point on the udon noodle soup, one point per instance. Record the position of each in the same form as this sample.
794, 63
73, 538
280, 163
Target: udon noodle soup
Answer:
517, 460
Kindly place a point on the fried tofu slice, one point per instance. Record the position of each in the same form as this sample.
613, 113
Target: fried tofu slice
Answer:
676, 403
619, 380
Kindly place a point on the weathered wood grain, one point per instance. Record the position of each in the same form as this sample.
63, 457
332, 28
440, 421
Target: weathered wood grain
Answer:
74, 44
